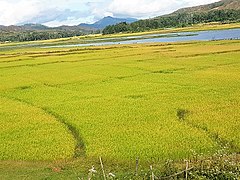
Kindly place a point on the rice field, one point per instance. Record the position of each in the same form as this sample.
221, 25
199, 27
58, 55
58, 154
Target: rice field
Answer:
152, 101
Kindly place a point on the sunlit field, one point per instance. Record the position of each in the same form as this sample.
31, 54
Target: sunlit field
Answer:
152, 101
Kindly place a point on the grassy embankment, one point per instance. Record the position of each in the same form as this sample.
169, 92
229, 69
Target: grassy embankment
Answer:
63, 108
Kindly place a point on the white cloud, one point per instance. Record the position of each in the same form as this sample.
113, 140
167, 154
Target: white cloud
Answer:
142, 8
14, 12
69, 12
40, 11
150, 8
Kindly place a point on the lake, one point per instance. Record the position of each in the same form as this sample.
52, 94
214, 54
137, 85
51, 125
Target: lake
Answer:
169, 37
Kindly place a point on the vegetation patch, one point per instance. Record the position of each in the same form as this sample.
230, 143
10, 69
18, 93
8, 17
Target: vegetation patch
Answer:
23, 87
163, 72
182, 114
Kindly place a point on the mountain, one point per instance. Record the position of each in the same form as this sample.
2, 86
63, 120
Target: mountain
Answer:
101, 24
40, 27
220, 5
32, 26
11, 28
223, 11
106, 21
33, 32
25, 27
72, 28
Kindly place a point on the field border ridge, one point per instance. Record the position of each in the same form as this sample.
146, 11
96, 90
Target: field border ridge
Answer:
222, 143
80, 149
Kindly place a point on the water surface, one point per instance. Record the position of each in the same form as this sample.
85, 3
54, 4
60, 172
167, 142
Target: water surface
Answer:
168, 37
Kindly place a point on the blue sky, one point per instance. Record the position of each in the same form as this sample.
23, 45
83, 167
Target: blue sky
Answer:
73, 12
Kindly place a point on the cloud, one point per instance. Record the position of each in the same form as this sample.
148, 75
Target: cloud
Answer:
99, 9
54, 15
143, 8
41, 11
14, 12
150, 8
72, 12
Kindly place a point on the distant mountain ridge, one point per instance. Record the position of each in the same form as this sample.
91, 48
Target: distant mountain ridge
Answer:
33, 32
220, 5
101, 24
40, 27
106, 21
32, 26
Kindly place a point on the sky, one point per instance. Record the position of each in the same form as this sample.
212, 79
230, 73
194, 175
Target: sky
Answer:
73, 12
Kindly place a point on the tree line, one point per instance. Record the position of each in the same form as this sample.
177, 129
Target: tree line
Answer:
175, 20
21, 36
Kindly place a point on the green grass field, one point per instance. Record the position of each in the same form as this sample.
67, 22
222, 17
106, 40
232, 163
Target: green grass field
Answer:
152, 101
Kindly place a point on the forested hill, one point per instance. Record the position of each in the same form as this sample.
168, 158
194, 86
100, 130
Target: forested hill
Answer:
220, 5
222, 11
32, 32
